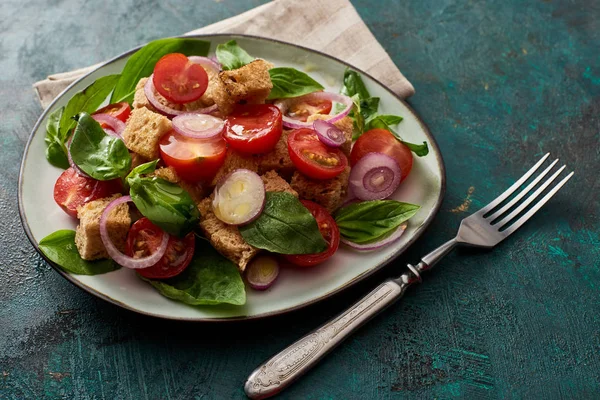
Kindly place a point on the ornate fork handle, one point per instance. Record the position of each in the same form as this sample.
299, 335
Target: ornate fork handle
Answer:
288, 365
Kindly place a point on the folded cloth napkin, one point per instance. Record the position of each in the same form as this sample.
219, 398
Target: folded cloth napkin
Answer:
332, 26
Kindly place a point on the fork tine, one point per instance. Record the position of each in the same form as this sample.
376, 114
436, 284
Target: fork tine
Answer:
539, 205
522, 193
514, 187
529, 199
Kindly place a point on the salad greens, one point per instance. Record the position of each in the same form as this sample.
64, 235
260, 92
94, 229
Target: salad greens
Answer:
101, 156
289, 82
141, 63
365, 112
285, 226
209, 279
56, 148
60, 248
371, 221
232, 56
164, 203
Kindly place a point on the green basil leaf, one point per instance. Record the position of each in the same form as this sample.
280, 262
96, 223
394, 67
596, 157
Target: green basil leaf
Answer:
232, 56
60, 248
210, 279
141, 63
285, 226
142, 169
353, 84
369, 107
386, 121
164, 203
369, 221
289, 82
56, 149
99, 155
88, 100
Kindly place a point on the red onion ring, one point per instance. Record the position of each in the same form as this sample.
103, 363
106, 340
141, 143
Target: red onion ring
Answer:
288, 122
328, 133
375, 177
198, 126
116, 255
114, 124
262, 272
225, 204
167, 111
206, 63
377, 245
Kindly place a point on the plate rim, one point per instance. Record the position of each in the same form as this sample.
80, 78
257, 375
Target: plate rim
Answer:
420, 230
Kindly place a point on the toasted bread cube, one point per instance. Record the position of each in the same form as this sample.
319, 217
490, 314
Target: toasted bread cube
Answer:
195, 190
345, 125
139, 98
233, 161
226, 239
87, 235
137, 160
278, 159
143, 131
329, 193
250, 84
274, 183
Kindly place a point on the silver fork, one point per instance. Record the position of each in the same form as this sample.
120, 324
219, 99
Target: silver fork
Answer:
481, 229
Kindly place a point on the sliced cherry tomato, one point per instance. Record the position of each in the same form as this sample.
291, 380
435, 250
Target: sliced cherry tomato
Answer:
254, 128
73, 190
118, 110
312, 157
328, 229
382, 141
194, 160
301, 110
143, 239
178, 79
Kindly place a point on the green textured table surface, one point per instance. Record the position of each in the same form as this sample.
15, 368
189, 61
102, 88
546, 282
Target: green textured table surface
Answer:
498, 82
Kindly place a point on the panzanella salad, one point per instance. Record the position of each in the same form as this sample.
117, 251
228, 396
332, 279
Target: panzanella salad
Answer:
202, 172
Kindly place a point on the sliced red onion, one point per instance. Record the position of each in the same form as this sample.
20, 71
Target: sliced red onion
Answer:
375, 177
198, 126
116, 255
206, 63
114, 124
329, 134
377, 245
285, 104
151, 95
262, 272
239, 197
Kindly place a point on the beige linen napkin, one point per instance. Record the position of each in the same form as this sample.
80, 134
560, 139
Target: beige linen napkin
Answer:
331, 26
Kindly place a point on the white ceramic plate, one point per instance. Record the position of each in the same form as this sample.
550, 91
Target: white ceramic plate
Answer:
295, 288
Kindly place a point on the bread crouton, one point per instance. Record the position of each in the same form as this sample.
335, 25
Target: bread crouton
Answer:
139, 98
233, 161
329, 193
345, 125
143, 131
278, 159
87, 235
137, 160
226, 239
274, 183
168, 174
250, 84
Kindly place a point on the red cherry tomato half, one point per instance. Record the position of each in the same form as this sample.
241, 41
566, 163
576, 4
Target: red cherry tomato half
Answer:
301, 110
144, 238
178, 79
253, 128
313, 158
328, 229
120, 110
194, 160
73, 190
382, 141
